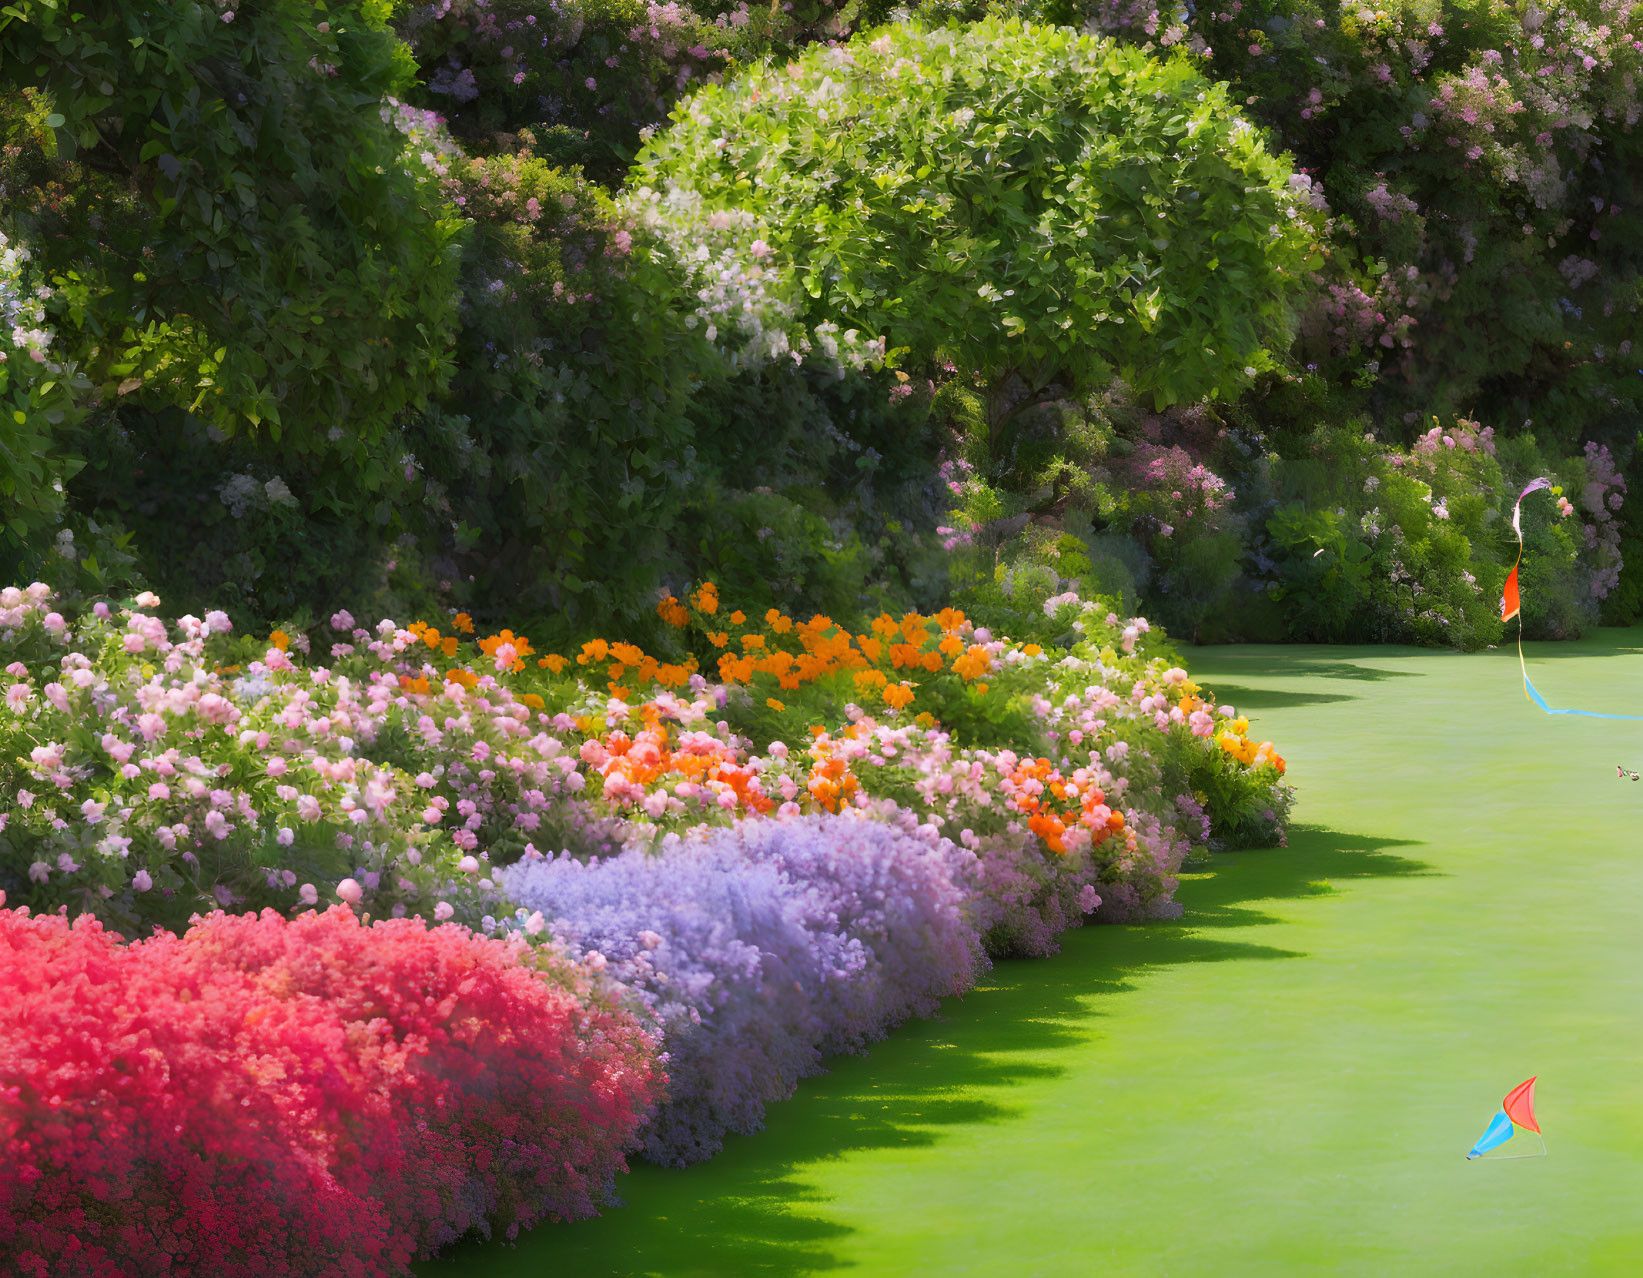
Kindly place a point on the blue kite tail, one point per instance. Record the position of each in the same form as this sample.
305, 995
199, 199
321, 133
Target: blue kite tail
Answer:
1500, 1131
1585, 714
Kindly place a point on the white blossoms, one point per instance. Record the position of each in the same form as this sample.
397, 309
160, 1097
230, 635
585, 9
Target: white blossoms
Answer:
745, 305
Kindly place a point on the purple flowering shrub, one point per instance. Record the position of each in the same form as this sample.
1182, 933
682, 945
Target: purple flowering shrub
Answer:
900, 897
721, 954
759, 948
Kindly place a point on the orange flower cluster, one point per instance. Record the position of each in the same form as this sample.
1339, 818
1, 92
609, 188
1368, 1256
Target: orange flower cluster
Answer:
635, 763
673, 612
629, 660
975, 663
521, 645
1077, 800
446, 644
1236, 743
898, 696
831, 781
826, 649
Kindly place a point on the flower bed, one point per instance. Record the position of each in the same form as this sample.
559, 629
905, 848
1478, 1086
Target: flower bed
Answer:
302, 1097
679, 874
761, 948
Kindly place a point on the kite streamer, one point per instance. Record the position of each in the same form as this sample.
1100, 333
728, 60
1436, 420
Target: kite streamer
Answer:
1510, 606
1517, 1110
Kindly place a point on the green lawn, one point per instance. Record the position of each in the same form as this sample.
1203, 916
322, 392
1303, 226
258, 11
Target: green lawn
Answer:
1286, 1079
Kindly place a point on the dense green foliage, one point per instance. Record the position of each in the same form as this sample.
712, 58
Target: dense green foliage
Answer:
234, 228
1040, 209
307, 306
223, 235
1479, 165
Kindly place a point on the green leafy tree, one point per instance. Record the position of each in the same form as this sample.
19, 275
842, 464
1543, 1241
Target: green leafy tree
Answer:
225, 212
1038, 208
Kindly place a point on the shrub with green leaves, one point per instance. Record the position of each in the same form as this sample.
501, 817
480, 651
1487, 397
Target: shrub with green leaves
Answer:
1039, 208
224, 213
1479, 164
37, 403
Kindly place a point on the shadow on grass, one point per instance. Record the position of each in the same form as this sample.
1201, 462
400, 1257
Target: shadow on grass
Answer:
1242, 699
750, 1212
1315, 663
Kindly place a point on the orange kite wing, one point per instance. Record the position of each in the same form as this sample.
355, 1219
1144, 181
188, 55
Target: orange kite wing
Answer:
1520, 1105
1509, 600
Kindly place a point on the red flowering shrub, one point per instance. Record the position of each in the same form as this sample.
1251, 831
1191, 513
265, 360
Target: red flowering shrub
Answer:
308, 1097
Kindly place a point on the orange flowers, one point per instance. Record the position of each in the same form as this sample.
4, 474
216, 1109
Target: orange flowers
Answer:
1051, 829
818, 650
1055, 804
447, 644
673, 612
869, 682
280, 640
491, 645
831, 782
973, 664
1247, 752
633, 763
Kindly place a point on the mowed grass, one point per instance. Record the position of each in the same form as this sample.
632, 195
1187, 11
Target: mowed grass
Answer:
1285, 1080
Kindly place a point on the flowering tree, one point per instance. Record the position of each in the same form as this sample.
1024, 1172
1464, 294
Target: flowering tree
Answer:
1478, 163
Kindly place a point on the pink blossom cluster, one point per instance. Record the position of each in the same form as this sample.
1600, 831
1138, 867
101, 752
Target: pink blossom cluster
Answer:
1465, 436
313, 1096
1351, 318
143, 782
959, 478
1174, 489
1602, 496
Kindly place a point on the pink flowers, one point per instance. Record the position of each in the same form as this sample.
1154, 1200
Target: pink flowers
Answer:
392, 1061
